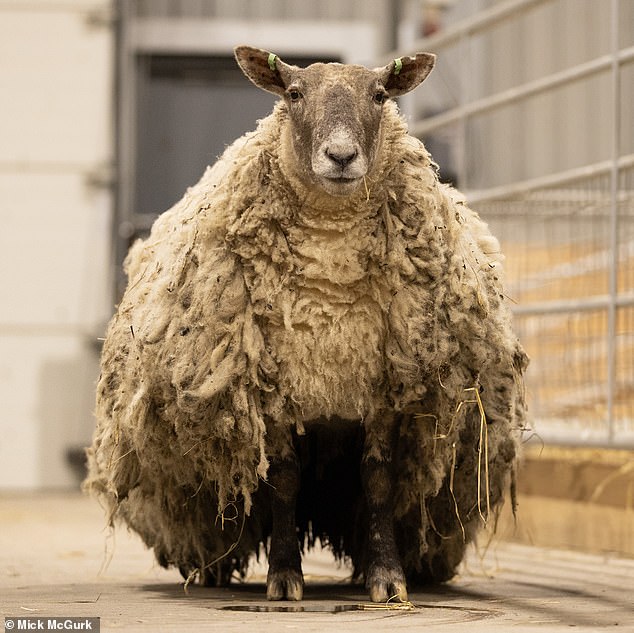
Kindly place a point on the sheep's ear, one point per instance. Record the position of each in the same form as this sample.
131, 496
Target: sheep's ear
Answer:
405, 73
266, 70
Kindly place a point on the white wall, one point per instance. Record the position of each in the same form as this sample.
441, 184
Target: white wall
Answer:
56, 135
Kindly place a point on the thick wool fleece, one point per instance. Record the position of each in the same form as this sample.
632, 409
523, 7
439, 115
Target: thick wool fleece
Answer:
258, 306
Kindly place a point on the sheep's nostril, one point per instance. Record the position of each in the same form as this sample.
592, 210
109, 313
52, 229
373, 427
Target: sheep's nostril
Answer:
342, 158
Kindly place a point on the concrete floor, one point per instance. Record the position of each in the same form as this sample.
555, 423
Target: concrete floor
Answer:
56, 559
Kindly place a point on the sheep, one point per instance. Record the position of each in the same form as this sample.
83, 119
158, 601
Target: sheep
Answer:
314, 345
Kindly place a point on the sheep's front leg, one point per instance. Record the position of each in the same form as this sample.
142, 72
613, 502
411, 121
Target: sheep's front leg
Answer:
384, 576
284, 579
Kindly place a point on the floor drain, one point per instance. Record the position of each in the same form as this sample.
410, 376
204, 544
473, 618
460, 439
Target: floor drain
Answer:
446, 614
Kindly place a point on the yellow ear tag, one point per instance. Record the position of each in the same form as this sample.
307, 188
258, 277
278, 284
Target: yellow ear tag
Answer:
272, 61
398, 64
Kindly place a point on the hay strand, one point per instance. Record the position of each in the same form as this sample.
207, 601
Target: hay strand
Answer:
483, 447
388, 605
200, 570
451, 490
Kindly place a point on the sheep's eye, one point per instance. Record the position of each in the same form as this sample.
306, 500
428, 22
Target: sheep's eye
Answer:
294, 94
380, 97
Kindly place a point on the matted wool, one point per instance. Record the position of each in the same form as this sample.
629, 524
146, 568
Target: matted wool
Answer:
256, 309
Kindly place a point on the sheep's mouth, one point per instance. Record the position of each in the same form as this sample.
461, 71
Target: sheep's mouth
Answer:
340, 185
342, 180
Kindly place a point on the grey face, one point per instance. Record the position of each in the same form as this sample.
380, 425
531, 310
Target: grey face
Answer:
335, 111
335, 116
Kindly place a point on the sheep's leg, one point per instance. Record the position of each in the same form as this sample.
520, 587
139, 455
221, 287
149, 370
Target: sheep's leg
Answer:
284, 579
384, 576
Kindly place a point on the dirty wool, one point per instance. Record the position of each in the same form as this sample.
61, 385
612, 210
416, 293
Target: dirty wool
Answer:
261, 309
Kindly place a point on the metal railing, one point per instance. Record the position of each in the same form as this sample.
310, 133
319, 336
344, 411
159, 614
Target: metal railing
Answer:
591, 397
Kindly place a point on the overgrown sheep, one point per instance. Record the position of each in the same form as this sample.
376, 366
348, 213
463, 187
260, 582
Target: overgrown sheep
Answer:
314, 345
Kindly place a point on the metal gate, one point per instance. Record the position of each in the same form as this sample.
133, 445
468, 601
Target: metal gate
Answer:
536, 99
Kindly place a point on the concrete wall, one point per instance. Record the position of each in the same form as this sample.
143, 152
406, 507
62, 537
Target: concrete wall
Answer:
573, 498
55, 131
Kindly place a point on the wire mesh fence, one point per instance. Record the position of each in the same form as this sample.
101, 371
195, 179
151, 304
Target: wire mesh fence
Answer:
578, 330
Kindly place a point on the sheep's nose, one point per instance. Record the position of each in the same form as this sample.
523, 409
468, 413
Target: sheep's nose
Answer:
341, 156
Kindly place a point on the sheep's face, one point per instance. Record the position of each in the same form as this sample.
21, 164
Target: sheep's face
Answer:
335, 111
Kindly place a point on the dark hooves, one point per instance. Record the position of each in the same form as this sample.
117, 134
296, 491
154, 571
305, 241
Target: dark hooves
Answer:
386, 584
285, 584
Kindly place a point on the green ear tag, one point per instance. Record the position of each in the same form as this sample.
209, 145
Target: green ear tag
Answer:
272, 62
398, 64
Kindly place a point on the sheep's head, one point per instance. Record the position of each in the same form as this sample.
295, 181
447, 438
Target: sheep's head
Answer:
335, 110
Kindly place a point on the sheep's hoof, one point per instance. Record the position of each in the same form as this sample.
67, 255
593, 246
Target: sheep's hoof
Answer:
285, 584
218, 576
386, 584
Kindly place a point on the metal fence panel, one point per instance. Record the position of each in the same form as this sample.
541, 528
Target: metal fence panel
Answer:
537, 99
